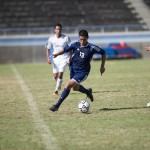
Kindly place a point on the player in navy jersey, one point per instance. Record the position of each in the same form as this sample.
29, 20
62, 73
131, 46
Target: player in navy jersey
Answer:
82, 53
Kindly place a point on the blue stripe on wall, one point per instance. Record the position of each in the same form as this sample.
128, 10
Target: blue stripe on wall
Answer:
41, 41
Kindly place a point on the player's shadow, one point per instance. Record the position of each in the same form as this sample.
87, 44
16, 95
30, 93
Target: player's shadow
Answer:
96, 92
106, 91
124, 108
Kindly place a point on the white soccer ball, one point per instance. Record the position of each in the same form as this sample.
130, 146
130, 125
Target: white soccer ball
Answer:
83, 106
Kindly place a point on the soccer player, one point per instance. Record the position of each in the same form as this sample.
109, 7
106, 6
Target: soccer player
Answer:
80, 66
56, 43
147, 48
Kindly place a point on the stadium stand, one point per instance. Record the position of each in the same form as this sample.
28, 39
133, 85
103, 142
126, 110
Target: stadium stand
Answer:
147, 2
45, 13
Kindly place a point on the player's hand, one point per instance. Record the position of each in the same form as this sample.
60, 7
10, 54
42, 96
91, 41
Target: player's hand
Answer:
147, 48
49, 61
102, 70
54, 55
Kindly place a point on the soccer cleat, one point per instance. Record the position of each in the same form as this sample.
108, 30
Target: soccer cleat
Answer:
55, 93
89, 95
53, 108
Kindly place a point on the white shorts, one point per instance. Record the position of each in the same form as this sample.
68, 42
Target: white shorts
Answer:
59, 66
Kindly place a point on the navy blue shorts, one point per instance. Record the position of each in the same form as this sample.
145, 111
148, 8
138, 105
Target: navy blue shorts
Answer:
78, 76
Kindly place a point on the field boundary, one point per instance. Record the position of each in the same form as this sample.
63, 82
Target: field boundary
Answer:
47, 137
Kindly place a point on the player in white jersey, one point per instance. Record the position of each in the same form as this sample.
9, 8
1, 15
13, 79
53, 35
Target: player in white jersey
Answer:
56, 43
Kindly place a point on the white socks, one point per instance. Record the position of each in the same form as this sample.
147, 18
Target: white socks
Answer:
58, 84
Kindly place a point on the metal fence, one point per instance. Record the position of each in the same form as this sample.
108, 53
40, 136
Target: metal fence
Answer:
74, 29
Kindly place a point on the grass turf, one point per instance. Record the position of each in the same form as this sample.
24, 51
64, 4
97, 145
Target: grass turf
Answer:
118, 118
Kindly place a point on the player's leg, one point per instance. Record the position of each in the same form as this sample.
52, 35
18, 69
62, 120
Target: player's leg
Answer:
80, 77
59, 81
61, 68
71, 83
55, 76
82, 89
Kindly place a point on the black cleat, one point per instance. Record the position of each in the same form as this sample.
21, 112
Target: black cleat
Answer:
55, 93
53, 108
89, 95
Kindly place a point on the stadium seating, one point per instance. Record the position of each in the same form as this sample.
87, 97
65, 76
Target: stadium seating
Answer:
147, 2
45, 13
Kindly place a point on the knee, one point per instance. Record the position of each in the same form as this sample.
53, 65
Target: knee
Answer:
76, 88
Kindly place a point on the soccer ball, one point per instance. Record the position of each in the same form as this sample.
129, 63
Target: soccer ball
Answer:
83, 106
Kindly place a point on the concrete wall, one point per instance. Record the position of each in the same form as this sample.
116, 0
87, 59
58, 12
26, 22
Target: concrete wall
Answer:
21, 54
33, 54
17, 49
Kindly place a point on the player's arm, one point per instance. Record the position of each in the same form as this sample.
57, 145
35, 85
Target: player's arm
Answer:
66, 49
48, 54
102, 52
70, 52
102, 68
59, 53
48, 47
70, 58
147, 48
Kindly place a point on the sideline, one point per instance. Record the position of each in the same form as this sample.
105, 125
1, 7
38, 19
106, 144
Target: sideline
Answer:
47, 137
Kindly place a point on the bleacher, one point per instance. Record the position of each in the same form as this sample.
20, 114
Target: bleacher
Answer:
147, 2
45, 13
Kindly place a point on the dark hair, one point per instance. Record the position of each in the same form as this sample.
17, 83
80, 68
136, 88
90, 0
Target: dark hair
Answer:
84, 33
59, 25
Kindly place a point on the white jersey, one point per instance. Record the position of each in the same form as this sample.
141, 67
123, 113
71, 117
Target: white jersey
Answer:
57, 44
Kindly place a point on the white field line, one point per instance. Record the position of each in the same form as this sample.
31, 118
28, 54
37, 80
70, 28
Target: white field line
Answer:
47, 137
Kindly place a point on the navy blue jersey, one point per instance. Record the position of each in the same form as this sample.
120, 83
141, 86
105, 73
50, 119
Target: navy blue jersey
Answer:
82, 55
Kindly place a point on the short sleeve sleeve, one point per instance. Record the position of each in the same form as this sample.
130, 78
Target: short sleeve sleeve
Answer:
49, 44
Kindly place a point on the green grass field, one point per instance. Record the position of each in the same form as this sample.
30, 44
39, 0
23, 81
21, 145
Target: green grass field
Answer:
118, 120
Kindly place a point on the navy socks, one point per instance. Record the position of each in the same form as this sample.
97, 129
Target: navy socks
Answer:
83, 90
64, 94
